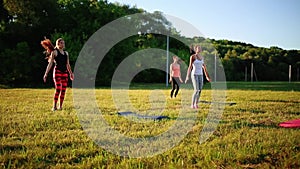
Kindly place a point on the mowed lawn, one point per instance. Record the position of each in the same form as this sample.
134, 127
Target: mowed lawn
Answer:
247, 135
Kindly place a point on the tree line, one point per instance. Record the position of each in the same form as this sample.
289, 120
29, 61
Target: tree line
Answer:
23, 24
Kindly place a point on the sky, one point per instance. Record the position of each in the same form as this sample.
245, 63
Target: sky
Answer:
262, 23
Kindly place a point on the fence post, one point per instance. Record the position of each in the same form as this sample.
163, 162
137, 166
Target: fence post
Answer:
252, 72
290, 73
246, 73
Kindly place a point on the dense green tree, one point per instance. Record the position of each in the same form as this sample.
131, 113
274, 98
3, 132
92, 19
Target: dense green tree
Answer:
23, 24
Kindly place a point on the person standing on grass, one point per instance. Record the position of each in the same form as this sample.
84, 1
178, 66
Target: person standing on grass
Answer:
175, 76
60, 58
196, 69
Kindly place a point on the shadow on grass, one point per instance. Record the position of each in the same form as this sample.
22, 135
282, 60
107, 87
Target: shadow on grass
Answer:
272, 86
277, 101
252, 111
253, 161
14, 147
262, 124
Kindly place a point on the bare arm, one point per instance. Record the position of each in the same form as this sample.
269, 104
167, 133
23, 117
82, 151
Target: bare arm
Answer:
171, 72
206, 73
69, 67
51, 60
189, 68
180, 74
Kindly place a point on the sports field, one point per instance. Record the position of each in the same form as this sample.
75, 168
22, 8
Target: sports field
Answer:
247, 135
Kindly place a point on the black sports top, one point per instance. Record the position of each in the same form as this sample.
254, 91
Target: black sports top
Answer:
61, 61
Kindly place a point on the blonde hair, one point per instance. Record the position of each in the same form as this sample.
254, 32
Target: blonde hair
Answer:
57, 41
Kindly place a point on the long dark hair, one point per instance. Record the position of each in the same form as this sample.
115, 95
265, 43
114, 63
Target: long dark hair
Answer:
192, 50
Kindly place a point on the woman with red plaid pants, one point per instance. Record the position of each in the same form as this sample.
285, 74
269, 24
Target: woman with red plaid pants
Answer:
62, 68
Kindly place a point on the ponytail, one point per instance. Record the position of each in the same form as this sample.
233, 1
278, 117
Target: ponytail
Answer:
192, 50
48, 46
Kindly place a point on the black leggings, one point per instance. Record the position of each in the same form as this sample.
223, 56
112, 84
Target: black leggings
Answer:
175, 86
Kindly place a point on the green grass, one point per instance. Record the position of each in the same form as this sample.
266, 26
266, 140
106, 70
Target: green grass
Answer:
248, 135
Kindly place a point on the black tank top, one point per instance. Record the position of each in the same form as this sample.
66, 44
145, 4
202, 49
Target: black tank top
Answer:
61, 61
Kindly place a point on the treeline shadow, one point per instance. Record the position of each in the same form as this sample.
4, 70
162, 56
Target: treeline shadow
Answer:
272, 86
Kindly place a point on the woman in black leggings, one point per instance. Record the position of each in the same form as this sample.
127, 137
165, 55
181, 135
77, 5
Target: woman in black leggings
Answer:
62, 69
175, 76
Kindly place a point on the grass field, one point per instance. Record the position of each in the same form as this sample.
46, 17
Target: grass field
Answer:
247, 136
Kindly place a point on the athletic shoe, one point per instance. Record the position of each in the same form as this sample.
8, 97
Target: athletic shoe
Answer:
54, 109
59, 108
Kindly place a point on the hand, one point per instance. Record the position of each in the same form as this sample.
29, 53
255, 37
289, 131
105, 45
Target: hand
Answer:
170, 80
45, 78
186, 79
72, 76
208, 79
